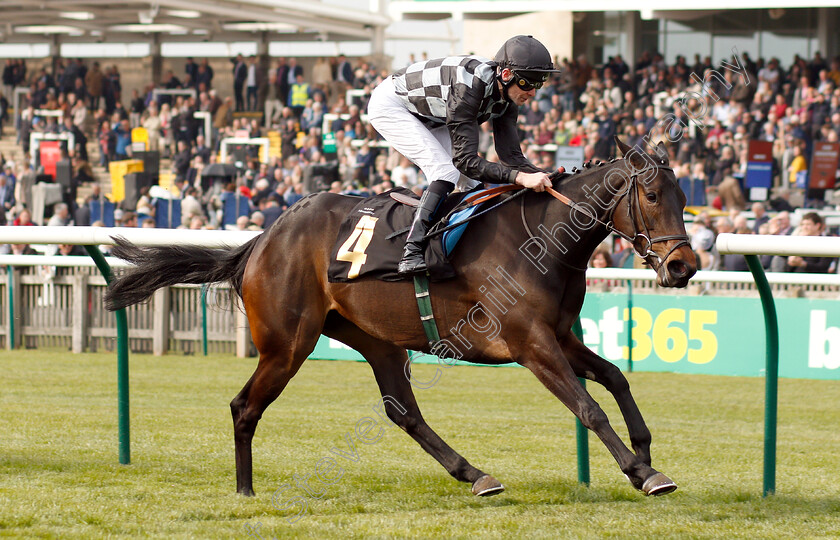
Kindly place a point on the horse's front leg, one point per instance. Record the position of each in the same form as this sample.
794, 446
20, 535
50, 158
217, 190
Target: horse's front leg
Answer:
547, 360
590, 366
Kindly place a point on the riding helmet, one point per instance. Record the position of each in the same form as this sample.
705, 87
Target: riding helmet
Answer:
526, 56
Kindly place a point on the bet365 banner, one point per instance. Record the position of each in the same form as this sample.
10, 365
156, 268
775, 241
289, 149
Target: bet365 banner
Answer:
713, 335
696, 334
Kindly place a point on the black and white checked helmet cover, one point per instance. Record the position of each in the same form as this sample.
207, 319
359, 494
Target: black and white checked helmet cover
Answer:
428, 87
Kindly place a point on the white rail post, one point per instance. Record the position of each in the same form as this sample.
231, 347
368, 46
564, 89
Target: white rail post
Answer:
81, 317
243, 331
13, 325
160, 321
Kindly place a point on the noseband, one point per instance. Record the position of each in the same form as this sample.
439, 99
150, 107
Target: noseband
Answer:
634, 206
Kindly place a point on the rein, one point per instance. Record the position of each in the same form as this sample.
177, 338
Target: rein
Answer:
633, 206
477, 199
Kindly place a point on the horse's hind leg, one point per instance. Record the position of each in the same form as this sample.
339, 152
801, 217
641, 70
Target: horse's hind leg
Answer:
388, 363
270, 378
282, 352
589, 365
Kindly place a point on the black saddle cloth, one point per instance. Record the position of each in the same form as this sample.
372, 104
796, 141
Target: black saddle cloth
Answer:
372, 237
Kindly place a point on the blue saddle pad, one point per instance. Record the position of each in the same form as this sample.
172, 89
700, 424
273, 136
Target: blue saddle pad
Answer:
452, 236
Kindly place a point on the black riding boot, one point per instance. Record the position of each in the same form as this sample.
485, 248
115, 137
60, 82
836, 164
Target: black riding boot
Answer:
413, 261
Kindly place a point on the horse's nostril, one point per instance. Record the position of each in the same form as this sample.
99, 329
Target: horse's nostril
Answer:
677, 269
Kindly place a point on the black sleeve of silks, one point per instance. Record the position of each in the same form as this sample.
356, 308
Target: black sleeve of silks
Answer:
462, 121
507, 142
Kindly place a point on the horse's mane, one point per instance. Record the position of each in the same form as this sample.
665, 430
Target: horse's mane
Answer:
558, 178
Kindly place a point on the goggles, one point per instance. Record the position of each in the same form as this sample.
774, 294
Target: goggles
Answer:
527, 84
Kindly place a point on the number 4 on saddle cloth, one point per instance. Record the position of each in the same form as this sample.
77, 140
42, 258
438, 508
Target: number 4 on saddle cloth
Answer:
371, 239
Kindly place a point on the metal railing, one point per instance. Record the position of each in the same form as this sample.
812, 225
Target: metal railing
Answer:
751, 246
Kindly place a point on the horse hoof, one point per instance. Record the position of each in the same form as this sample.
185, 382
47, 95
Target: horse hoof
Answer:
486, 486
658, 484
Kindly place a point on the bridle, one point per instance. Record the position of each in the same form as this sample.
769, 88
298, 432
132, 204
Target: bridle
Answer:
634, 206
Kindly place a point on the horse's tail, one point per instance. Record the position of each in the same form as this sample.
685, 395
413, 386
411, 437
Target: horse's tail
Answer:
157, 267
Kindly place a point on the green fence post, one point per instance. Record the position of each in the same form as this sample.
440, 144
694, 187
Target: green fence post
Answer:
10, 286
582, 434
204, 288
122, 362
771, 379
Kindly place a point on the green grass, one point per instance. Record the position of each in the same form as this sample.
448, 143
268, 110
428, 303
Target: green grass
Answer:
59, 476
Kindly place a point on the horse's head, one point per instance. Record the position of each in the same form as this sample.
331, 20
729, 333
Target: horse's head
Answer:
650, 214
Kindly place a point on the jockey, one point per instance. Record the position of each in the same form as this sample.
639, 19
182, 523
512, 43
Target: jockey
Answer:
430, 112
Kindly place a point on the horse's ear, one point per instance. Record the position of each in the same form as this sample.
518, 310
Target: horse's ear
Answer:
635, 156
662, 153
621, 146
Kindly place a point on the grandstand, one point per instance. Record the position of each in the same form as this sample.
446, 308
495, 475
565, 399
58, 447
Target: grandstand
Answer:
624, 73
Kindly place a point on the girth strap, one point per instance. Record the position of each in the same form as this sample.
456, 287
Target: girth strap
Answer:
424, 304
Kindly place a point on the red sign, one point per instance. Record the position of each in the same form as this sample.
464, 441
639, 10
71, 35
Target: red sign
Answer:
50, 153
824, 165
761, 151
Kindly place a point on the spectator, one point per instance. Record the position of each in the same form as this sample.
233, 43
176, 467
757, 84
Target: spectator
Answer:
122, 146
190, 206
780, 224
153, 126
299, 94
61, 216
730, 262
69, 250
240, 75
24, 218
252, 82
181, 162
322, 76
7, 197
257, 221
730, 194
781, 203
798, 165
23, 187
761, 216
243, 223
107, 144
204, 78
404, 174
191, 69
703, 241
94, 82
344, 75
281, 81
271, 212
812, 224
601, 257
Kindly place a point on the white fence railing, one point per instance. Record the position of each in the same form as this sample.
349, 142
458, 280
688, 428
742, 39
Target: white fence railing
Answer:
803, 246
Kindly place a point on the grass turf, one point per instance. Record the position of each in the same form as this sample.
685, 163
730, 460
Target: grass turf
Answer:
59, 475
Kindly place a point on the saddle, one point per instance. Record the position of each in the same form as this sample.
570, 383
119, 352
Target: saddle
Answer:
372, 237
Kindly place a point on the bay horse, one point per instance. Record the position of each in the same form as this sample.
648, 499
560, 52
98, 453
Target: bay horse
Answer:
539, 247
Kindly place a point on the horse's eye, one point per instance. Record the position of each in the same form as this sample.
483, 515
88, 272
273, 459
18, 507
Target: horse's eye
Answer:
650, 196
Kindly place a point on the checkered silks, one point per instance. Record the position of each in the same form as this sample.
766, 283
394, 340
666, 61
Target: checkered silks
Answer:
430, 88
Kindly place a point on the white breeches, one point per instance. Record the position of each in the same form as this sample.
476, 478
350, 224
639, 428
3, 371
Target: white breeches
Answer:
429, 149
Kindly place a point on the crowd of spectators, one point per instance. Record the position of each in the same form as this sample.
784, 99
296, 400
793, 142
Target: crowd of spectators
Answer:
585, 105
